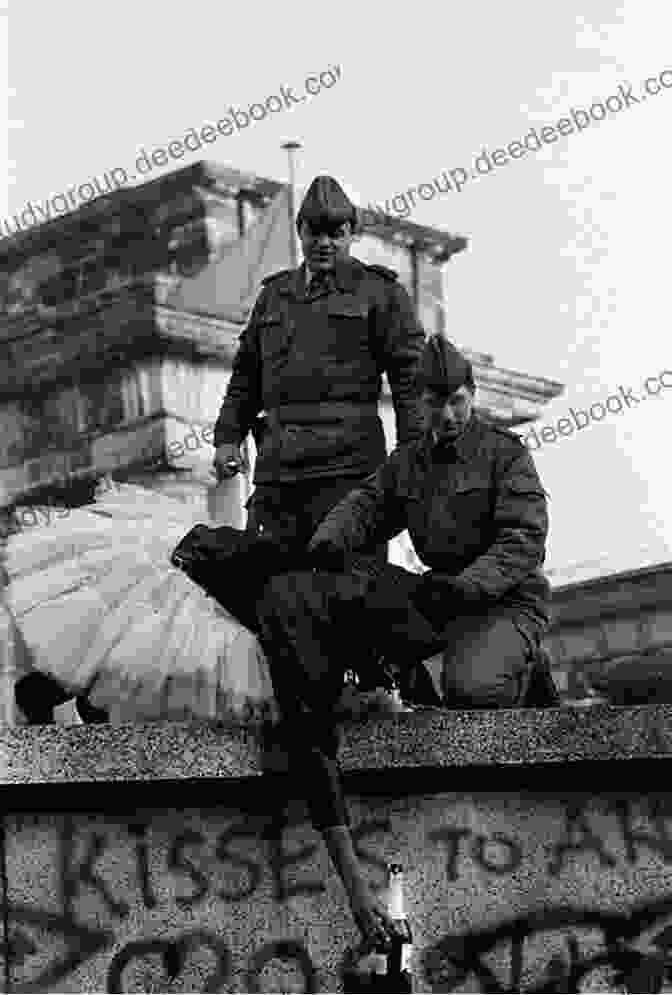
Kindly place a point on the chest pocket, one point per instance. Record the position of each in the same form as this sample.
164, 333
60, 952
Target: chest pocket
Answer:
348, 326
274, 334
471, 501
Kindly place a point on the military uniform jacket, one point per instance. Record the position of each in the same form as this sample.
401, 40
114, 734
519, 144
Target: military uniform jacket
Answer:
476, 511
313, 363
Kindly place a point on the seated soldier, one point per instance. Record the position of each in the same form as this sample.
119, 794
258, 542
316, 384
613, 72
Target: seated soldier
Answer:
474, 506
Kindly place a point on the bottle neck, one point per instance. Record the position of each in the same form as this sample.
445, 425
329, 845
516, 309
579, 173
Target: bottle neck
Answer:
395, 897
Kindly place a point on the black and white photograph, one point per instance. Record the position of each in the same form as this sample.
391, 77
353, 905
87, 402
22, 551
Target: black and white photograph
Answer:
335, 516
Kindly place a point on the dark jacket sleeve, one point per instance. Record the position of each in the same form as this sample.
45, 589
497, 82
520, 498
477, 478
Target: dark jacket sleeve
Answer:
400, 341
520, 530
369, 514
242, 402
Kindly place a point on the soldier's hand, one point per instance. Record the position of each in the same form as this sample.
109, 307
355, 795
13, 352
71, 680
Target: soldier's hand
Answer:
228, 461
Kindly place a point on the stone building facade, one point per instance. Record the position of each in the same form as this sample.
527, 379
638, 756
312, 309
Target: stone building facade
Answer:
611, 636
119, 322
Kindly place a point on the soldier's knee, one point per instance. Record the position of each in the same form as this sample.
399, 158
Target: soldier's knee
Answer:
486, 669
467, 690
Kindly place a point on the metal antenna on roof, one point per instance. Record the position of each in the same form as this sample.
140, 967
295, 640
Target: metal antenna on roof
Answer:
291, 149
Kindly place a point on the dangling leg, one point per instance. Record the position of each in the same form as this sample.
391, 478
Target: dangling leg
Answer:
306, 620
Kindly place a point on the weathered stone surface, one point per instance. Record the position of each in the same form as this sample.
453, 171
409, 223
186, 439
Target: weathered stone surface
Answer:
621, 635
623, 594
429, 739
598, 622
580, 644
520, 892
173, 865
659, 628
153, 751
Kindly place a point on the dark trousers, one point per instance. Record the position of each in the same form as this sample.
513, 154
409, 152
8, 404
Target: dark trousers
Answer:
291, 512
314, 626
486, 662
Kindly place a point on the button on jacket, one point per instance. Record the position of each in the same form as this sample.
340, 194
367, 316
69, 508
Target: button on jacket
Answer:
313, 360
475, 510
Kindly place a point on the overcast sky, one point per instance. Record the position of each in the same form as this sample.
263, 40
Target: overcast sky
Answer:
567, 272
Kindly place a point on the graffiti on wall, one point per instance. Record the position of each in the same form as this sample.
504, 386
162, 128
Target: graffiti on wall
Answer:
623, 942
583, 946
590, 949
189, 859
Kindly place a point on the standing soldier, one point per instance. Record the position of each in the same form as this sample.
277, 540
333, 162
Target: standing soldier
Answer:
311, 359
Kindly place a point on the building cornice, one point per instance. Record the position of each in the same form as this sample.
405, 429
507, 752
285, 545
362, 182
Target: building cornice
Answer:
213, 337
437, 245
202, 179
509, 397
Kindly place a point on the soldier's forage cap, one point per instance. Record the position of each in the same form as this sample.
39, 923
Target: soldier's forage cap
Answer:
326, 203
442, 367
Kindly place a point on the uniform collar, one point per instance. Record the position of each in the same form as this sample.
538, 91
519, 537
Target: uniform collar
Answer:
345, 277
347, 274
297, 284
464, 447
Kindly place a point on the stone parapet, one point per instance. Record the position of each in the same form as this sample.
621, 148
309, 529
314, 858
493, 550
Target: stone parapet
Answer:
537, 848
431, 739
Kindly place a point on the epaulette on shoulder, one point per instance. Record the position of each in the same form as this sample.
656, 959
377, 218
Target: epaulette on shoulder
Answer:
276, 276
508, 434
387, 274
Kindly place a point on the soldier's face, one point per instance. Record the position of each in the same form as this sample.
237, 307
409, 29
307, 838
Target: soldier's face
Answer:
447, 414
323, 245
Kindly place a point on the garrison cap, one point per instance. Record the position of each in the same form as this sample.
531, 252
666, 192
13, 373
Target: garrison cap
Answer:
442, 367
326, 203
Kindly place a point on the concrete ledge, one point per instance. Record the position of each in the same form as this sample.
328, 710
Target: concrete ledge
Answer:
157, 857
437, 740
